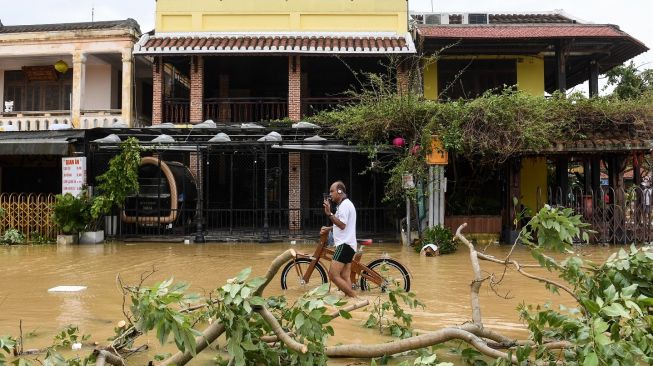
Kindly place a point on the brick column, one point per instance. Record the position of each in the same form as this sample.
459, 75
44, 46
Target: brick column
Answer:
157, 90
403, 82
196, 89
294, 191
294, 88
195, 167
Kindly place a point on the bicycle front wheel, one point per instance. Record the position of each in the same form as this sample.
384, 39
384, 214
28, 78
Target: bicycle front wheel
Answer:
292, 275
394, 275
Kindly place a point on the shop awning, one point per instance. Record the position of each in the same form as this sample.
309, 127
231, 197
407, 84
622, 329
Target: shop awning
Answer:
355, 43
34, 147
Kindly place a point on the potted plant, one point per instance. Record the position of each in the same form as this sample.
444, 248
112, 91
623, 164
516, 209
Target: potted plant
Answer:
71, 215
115, 184
441, 237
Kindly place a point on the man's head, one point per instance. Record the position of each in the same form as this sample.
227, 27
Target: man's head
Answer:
338, 191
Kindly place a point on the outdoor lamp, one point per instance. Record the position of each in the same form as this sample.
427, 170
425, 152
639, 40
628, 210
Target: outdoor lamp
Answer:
61, 66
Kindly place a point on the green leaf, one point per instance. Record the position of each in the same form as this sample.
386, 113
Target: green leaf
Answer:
243, 274
615, 309
591, 360
344, 314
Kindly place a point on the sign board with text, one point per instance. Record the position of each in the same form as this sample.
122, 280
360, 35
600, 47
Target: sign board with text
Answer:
437, 154
73, 175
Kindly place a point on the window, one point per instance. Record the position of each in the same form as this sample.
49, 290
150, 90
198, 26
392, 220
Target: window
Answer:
470, 78
38, 95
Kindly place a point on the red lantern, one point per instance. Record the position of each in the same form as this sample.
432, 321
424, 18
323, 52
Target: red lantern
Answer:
398, 142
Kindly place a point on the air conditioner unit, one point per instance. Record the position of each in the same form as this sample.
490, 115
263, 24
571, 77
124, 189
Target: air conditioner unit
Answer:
475, 18
432, 19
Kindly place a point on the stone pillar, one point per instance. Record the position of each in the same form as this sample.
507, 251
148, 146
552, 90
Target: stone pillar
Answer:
127, 91
79, 84
196, 89
157, 90
294, 88
294, 191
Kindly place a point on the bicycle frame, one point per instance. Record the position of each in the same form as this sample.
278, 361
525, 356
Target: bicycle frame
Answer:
357, 268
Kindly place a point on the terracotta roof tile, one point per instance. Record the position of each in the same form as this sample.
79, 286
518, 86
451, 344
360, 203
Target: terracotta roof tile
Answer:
62, 27
519, 31
360, 44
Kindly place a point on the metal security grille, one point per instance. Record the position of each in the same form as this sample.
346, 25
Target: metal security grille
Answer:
28, 213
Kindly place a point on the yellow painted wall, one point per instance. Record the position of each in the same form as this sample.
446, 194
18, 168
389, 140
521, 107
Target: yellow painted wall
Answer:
431, 80
530, 73
282, 15
533, 174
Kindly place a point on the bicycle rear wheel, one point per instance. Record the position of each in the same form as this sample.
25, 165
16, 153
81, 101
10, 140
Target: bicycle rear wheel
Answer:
291, 276
395, 275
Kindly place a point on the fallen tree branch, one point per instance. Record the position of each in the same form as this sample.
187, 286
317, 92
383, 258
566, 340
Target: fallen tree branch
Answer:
478, 279
209, 335
281, 334
518, 268
413, 343
103, 356
274, 268
349, 308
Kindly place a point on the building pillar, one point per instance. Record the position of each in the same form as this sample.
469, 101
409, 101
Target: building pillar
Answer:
157, 90
561, 65
127, 91
294, 191
195, 167
594, 79
196, 89
562, 180
294, 88
403, 82
79, 84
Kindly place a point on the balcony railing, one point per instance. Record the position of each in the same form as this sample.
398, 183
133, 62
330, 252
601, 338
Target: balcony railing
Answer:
42, 120
176, 110
245, 109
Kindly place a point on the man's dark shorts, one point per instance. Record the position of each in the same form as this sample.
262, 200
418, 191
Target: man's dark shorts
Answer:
344, 253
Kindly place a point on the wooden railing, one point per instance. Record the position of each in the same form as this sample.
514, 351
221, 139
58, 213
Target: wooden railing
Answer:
28, 213
245, 109
176, 110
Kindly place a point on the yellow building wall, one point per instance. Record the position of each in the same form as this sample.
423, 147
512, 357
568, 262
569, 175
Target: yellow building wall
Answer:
533, 178
282, 15
530, 73
431, 80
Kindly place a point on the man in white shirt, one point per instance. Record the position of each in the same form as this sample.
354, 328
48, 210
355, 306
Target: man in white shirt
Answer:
344, 236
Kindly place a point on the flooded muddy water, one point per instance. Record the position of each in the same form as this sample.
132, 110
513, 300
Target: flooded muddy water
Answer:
442, 283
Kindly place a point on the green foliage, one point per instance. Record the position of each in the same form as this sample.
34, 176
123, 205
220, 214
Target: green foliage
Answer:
71, 214
12, 237
440, 236
120, 179
629, 82
64, 339
388, 315
153, 308
487, 130
38, 238
613, 322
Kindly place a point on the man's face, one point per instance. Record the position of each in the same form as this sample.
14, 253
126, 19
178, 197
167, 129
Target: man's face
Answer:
333, 192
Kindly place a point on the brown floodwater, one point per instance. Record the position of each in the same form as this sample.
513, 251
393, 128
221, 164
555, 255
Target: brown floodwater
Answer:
442, 283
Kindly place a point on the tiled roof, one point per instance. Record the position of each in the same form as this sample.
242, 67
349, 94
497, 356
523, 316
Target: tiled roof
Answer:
603, 141
293, 43
521, 31
60, 27
528, 18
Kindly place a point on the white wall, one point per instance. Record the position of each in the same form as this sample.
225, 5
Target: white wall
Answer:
97, 92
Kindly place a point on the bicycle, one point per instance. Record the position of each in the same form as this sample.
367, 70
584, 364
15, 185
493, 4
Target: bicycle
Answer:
379, 274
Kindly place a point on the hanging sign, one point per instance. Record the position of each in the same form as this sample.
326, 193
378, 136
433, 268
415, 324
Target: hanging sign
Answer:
73, 175
408, 182
437, 154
